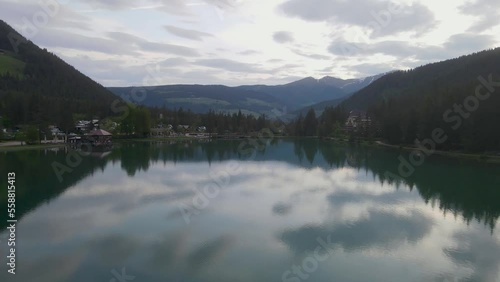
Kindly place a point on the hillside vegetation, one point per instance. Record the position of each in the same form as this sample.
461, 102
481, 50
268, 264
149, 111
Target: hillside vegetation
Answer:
203, 98
274, 101
460, 96
37, 87
9, 64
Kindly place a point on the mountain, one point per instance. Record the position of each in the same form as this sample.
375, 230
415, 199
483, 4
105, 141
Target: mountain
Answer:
320, 107
460, 74
300, 93
309, 91
37, 87
202, 98
459, 96
250, 99
351, 85
348, 86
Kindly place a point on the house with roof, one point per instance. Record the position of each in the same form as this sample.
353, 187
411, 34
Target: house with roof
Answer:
86, 125
99, 137
160, 132
358, 120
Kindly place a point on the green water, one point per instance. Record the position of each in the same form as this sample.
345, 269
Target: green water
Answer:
285, 210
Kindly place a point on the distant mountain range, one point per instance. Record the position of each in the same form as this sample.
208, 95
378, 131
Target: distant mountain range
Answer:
350, 85
202, 98
309, 91
254, 99
38, 88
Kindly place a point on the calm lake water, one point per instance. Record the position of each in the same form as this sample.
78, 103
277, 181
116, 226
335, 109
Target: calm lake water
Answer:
303, 210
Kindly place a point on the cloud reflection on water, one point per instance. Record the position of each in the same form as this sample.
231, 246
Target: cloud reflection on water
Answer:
111, 220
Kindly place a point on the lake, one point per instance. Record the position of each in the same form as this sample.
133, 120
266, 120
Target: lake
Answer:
280, 210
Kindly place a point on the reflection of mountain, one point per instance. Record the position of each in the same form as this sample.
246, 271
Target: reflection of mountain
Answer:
466, 189
469, 189
36, 180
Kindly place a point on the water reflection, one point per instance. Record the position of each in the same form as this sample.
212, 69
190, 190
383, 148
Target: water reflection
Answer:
282, 209
478, 252
121, 209
468, 189
380, 229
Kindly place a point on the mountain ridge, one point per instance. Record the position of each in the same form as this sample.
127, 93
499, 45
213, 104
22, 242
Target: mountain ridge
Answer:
44, 88
441, 96
272, 100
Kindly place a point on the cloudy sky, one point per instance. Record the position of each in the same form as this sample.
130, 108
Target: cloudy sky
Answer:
233, 42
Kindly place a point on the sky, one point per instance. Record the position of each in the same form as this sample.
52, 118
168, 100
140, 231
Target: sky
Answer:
237, 42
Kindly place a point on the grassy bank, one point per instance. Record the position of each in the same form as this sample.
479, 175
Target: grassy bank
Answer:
451, 154
180, 138
29, 147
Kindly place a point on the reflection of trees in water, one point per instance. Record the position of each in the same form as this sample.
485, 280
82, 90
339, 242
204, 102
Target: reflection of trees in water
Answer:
468, 190
36, 181
135, 157
333, 155
357, 158
307, 148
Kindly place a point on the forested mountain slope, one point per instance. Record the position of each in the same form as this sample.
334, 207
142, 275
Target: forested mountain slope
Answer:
37, 87
461, 96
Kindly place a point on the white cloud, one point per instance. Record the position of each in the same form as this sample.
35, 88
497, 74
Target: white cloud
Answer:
486, 13
283, 37
251, 42
381, 17
187, 33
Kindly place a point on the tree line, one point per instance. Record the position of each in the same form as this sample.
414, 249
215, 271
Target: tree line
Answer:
215, 122
329, 123
459, 97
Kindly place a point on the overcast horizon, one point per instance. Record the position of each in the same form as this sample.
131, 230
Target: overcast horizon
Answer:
236, 42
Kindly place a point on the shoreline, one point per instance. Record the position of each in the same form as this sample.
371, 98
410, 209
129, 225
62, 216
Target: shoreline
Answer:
470, 156
449, 154
12, 148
